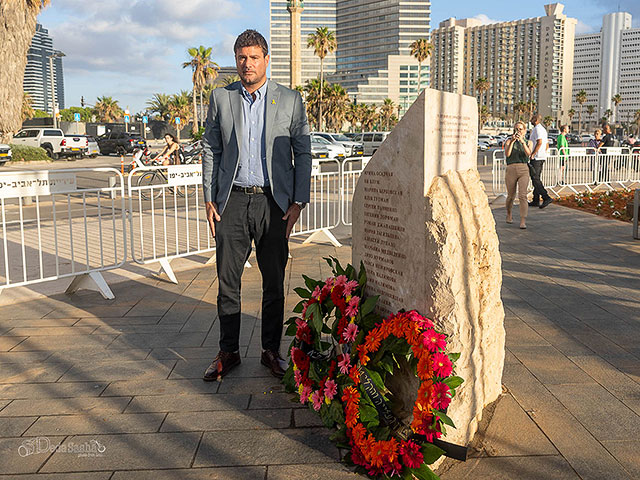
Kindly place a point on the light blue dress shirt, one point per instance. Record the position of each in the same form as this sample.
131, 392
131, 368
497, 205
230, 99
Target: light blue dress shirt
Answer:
252, 164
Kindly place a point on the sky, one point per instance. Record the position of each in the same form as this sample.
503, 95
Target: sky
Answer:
131, 49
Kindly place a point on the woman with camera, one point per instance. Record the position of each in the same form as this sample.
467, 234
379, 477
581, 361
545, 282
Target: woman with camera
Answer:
517, 150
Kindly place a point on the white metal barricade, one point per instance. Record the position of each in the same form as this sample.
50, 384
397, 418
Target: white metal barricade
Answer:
351, 170
167, 217
62, 223
323, 211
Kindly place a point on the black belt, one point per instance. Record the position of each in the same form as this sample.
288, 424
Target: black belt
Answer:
251, 190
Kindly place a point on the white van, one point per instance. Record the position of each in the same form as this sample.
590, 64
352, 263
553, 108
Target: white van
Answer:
371, 141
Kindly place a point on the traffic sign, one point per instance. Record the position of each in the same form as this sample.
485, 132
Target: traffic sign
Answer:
127, 119
76, 117
145, 119
177, 120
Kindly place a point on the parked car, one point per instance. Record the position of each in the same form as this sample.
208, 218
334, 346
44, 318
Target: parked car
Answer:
76, 145
5, 153
353, 149
488, 139
120, 143
93, 150
336, 152
573, 138
371, 141
482, 146
500, 139
586, 138
52, 140
319, 148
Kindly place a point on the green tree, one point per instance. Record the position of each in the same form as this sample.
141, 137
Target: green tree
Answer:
337, 102
17, 27
607, 115
616, 99
179, 107
590, 111
107, 109
68, 114
421, 49
27, 108
483, 115
532, 84
636, 119
323, 42
481, 86
581, 97
204, 69
572, 114
547, 121
159, 104
387, 110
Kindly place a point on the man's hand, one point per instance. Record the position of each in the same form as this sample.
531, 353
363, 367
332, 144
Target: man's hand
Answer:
293, 212
212, 216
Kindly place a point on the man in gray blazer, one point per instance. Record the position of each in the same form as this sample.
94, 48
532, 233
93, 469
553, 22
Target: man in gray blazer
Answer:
256, 180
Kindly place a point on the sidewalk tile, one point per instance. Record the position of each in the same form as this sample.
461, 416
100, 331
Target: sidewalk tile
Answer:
96, 424
315, 471
512, 468
222, 473
51, 390
65, 406
188, 403
227, 420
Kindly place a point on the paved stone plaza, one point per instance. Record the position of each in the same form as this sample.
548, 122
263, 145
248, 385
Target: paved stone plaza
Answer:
124, 375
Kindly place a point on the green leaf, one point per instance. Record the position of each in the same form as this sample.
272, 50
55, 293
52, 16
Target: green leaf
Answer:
368, 305
299, 307
291, 330
302, 292
329, 260
362, 276
424, 473
431, 453
377, 379
368, 412
453, 382
338, 270
313, 373
454, 357
445, 419
310, 283
288, 380
337, 414
350, 272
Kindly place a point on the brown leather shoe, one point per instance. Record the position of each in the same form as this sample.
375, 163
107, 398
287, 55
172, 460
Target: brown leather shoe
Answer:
221, 365
274, 362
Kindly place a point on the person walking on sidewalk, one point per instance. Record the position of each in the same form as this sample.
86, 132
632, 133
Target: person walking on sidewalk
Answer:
256, 175
517, 151
563, 151
540, 143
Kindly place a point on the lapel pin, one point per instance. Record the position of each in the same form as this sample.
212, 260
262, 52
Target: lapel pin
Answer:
273, 102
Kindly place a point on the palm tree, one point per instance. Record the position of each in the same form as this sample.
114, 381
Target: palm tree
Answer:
228, 80
179, 108
323, 42
203, 69
421, 49
607, 115
590, 110
312, 95
483, 115
387, 110
369, 116
616, 99
481, 85
636, 119
351, 116
581, 97
572, 113
547, 121
107, 109
337, 102
159, 104
27, 108
16, 31
532, 84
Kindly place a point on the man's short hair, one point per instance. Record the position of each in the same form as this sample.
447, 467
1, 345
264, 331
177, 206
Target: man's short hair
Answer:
564, 128
251, 38
606, 126
537, 117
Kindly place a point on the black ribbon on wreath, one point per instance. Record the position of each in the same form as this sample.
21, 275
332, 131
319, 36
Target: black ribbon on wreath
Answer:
399, 428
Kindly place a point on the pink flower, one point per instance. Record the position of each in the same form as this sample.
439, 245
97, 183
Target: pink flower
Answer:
329, 282
344, 364
441, 396
304, 309
298, 377
433, 340
324, 293
423, 322
350, 287
350, 332
442, 366
316, 398
316, 292
304, 395
411, 454
330, 389
352, 307
341, 280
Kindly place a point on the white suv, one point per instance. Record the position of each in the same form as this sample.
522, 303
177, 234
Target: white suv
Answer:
5, 153
52, 140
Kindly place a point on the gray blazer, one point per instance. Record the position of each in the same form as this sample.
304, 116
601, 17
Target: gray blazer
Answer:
287, 143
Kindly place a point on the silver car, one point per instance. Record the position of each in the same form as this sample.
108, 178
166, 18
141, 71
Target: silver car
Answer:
93, 150
336, 152
353, 149
5, 153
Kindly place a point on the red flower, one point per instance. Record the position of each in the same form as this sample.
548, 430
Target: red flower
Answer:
433, 340
300, 359
411, 454
303, 332
442, 365
441, 396
354, 375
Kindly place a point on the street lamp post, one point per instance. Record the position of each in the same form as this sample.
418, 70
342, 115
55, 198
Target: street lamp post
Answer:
53, 90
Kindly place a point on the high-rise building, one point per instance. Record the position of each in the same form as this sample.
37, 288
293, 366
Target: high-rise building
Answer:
372, 61
37, 75
508, 54
607, 63
316, 13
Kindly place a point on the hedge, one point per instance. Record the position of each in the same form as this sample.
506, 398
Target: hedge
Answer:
22, 153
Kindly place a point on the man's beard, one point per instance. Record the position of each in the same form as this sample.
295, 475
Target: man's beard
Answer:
247, 80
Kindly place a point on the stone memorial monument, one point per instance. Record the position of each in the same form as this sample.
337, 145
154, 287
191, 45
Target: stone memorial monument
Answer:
424, 230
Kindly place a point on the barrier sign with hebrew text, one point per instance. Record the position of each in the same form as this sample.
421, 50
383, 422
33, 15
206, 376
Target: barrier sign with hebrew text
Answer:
184, 175
14, 185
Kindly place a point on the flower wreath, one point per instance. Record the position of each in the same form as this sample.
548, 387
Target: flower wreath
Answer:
339, 341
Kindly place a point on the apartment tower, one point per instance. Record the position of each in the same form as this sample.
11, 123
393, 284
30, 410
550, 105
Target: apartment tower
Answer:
37, 74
